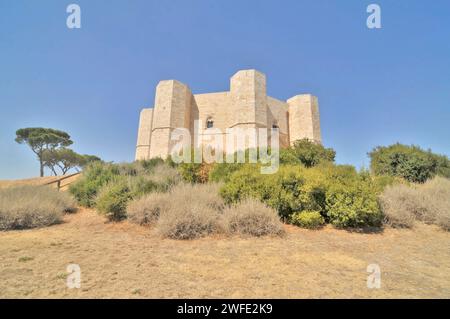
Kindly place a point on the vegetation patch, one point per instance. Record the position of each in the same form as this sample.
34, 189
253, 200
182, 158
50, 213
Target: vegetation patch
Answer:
409, 162
251, 217
33, 206
308, 219
109, 187
193, 212
402, 205
147, 209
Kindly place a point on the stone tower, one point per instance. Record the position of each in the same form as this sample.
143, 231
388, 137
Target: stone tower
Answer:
304, 119
246, 105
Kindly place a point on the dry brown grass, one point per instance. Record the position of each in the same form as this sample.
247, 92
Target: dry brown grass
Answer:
399, 205
147, 209
193, 211
39, 181
123, 260
430, 203
32, 206
251, 217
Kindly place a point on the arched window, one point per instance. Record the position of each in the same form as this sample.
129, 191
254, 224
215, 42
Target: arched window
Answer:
209, 123
275, 125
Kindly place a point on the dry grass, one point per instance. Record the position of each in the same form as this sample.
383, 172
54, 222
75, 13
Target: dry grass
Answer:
192, 212
147, 209
251, 217
123, 260
164, 174
32, 206
40, 181
437, 192
430, 203
399, 205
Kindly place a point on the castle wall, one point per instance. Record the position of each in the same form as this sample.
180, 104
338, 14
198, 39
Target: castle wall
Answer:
277, 114
246, 105
215, 106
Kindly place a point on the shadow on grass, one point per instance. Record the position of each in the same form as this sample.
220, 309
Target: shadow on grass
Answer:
365, 230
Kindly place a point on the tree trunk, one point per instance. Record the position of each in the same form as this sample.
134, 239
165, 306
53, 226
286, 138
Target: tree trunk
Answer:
41, 167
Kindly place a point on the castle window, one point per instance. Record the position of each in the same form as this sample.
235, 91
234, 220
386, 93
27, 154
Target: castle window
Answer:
209, 123
275, 125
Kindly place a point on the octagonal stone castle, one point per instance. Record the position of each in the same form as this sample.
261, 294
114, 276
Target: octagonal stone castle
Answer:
246, 105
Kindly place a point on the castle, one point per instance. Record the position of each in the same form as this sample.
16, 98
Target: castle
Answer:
246, 105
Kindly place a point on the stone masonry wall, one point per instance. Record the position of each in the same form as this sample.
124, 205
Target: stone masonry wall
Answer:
246, 105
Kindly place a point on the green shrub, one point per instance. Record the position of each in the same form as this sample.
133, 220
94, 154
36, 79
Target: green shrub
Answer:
292, 188
221, 172
308, 219
161, 179
141, 177
33, 206
353, 205
190, 172
95, 175
113, 198
409, 162
343, 196
150, 164
307, 153
251, 217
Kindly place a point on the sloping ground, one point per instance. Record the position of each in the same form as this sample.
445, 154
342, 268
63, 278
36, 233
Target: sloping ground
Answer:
66, 180
124, 260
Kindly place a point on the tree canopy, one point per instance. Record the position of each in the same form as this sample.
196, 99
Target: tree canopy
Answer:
307, 153
50, 146
409, 162
42, 139
66, 159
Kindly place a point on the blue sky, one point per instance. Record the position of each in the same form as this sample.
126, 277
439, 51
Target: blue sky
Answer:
375, 87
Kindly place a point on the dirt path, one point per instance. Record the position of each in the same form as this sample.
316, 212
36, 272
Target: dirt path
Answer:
123, 260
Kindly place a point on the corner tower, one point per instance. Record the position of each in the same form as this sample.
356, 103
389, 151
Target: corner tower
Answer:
304, 121
248, 99
172, 110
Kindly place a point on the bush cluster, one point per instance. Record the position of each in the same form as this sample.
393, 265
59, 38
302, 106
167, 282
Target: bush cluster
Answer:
191, 211
307, 153
308, 219
343, 197
253, 218
108, 187
33, 206
409, 162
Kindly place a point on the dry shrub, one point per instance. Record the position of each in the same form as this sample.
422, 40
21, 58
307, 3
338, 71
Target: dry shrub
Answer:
399, 204
147, 209
33, 206
251, 217
437, 193
189, 221
207, 194
430, 203
165, 176
193, 211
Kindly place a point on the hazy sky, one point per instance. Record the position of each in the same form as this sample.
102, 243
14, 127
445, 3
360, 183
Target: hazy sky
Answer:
375, 87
